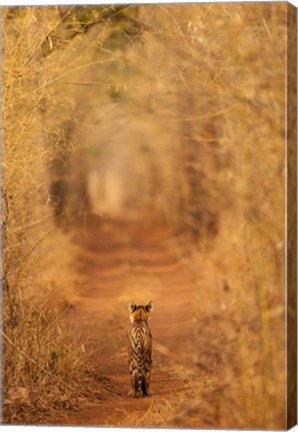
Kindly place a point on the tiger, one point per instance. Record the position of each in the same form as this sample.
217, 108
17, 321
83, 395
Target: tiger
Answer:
140, 349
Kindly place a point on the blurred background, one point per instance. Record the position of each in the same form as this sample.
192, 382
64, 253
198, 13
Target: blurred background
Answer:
168, 117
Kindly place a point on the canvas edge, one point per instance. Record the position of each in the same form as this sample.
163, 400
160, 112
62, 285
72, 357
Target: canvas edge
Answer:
291, 230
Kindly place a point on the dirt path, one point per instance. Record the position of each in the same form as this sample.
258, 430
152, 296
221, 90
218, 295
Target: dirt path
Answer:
123, 263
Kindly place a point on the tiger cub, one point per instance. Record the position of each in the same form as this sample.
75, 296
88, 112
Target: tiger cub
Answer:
139, 349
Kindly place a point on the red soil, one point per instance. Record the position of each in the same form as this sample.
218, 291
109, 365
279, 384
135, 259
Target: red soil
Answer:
122, 263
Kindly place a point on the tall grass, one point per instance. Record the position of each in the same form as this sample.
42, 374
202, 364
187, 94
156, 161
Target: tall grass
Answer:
42, 364
232, 63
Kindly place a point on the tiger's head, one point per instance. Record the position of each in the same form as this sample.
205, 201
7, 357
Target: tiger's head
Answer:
139, 313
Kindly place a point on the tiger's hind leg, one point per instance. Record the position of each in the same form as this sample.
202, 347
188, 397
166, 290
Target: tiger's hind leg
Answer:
136, 390
146, 384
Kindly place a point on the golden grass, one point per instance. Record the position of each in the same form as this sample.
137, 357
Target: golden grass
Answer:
44, 362
43, 365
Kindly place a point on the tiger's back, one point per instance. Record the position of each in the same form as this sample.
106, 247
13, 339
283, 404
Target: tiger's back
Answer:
140, 349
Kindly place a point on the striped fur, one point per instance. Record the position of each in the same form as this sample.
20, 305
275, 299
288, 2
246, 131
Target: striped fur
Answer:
140, 348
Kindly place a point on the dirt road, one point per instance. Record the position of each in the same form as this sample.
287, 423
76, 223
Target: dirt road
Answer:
122, 263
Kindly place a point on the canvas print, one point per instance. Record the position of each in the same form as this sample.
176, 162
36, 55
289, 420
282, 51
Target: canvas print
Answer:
149, 215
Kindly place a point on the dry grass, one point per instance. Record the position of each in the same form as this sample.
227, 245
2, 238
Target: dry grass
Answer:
234, 200
235, 344
43, 363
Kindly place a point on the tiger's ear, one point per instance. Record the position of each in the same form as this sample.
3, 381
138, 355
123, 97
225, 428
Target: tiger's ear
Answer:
132, 306
149, 307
